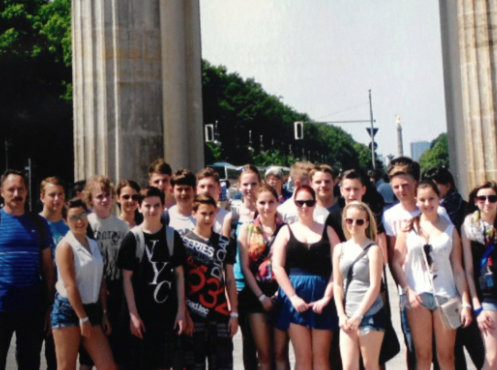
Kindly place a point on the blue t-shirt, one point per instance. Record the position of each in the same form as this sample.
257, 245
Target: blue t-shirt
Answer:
20, 282
58, 230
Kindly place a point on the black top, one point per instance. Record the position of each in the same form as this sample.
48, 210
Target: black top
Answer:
153, 277
484, 291
312, 258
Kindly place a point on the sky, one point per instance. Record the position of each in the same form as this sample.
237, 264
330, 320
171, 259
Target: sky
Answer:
322, 56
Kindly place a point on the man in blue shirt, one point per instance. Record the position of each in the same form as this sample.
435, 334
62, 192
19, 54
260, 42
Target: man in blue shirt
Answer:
25, 257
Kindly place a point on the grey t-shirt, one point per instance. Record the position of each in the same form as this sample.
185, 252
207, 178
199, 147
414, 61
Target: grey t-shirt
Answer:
359, 282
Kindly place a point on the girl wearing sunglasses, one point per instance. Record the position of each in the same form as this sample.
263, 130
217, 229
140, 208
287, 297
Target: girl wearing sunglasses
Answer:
127, 199
480, 258
357, 271
428, 265
304, 249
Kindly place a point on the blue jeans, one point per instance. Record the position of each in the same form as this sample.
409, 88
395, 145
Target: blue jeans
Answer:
28, 327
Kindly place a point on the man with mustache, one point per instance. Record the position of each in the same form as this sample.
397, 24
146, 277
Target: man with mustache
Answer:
25, 247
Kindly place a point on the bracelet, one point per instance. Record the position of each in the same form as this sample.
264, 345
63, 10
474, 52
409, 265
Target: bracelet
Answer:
234, 315
84, 319
478, 311
466, 305
262, 297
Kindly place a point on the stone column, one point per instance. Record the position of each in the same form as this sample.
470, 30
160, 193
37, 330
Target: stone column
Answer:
119, 53
477, 24
182, 84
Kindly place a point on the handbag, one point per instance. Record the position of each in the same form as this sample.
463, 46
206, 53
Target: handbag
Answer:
390, 346
450, 310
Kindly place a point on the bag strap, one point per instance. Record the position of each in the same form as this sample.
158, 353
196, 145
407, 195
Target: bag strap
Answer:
140, 241
170, 240
349, 272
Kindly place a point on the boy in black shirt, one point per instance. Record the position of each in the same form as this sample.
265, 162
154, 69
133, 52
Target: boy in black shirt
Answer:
152, 257
209, 274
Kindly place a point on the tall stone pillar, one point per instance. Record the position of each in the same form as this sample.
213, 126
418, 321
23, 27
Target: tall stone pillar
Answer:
120, 55
182, 84
477, 25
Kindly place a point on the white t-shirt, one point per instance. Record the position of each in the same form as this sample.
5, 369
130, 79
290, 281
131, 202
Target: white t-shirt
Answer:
288, 211
396, 217
182, 224
321, 214
218, 225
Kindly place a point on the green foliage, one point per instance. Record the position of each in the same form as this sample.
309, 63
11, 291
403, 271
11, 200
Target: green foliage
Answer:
437, 155
242, 106
35, 99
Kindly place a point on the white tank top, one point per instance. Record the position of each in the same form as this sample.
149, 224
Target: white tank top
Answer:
88, 270
415, 267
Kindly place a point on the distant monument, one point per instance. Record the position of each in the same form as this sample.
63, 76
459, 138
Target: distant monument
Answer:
137, 86
469, 46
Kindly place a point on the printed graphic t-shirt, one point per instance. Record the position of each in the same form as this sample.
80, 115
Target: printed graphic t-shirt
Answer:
206, 261
154, 284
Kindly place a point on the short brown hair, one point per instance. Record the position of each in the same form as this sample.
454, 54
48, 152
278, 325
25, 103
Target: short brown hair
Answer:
150, 191
208, 172
160, 166
323, 168
200, 199
183, 177
54, 180
103, 182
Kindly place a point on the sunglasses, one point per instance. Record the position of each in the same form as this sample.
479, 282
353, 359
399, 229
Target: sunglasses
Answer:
308, 203
83, 217
427, 248
358, 222
127, 196
490, 198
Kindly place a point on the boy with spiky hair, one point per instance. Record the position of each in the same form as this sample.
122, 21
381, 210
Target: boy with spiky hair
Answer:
211, 322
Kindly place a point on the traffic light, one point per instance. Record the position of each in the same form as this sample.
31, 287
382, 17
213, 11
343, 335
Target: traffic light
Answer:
298, 128
209, 132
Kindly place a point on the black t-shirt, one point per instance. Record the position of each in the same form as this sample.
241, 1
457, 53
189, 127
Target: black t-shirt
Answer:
153, 277
205, 282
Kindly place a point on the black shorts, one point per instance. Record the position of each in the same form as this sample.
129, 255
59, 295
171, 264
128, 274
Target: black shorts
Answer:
211, 340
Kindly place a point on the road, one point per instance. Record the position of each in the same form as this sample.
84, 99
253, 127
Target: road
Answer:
397, 362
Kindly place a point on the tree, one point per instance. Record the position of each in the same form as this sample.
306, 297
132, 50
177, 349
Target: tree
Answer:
437, 155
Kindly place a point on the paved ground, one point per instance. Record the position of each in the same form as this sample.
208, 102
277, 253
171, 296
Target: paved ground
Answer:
396, 363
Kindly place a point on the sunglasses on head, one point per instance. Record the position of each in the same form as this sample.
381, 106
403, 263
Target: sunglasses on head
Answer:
127, 196
427, 248
490, 198
358, 221
308, 203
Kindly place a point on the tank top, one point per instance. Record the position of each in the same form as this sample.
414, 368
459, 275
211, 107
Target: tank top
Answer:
88, 270
314, 259
359, 282
417, 272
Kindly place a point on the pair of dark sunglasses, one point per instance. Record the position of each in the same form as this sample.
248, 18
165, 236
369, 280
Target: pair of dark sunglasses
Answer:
490, 198
427, 248
358, 221
308, 203
127, 196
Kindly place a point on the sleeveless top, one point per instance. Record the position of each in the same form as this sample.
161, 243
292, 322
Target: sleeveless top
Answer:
441, 268
313, 259
359, 282
481, 236
88, 270
259, 251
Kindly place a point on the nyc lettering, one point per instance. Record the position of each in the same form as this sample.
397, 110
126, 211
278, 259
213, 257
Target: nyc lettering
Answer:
158, 267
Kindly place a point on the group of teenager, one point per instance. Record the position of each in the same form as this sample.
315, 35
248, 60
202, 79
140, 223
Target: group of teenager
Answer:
167, 282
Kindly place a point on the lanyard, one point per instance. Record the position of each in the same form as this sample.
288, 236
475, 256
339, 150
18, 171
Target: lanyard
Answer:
485, 256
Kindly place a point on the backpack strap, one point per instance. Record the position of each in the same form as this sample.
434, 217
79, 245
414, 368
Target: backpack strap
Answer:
140, 241
170, 240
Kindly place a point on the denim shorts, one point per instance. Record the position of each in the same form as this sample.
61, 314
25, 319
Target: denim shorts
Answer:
429, 301
489, 305
63, 315
376, 321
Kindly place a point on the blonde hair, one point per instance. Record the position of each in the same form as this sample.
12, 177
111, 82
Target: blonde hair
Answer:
99, 182
371, 231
